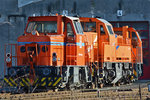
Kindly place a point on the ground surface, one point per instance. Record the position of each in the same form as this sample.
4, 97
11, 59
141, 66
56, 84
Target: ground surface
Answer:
123, 92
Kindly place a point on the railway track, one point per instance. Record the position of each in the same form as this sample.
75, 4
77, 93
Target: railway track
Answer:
122, 92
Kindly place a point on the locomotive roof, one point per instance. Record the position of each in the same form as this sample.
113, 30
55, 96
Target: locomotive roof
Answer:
104, 21
49, 18
72, 18
88, 19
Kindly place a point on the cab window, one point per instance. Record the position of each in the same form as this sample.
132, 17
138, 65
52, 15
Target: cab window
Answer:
134, 35
42, 27
102, 30
50, 27
89, 26
69, 30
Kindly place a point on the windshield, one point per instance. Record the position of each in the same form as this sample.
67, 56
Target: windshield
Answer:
42, 27
110, 29
78, 27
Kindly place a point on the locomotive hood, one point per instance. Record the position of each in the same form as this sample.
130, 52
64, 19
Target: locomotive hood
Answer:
41, 45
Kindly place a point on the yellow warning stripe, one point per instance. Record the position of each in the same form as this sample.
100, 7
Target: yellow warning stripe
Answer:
25, 82
43, 84
8, 82
43, 79
50, 84
21, 84
57, 81
13, 81
35, 81
49, 78
28, 80
37, 85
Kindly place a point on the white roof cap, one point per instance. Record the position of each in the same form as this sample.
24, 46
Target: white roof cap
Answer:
72, 18
104, 21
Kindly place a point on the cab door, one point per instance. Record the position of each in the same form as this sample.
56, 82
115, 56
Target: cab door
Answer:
80, 43
106, 43
70, 41
102, 40
102, 33
74, 43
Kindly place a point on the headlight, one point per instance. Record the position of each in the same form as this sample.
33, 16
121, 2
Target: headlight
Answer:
46, 71
8, 60
54, 57
12, 72
8, 55
23, 49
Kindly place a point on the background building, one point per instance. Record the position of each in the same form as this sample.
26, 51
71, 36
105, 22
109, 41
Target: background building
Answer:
135, 13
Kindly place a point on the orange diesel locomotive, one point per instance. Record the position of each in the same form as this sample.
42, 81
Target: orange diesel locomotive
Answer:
55, 52
115, 56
